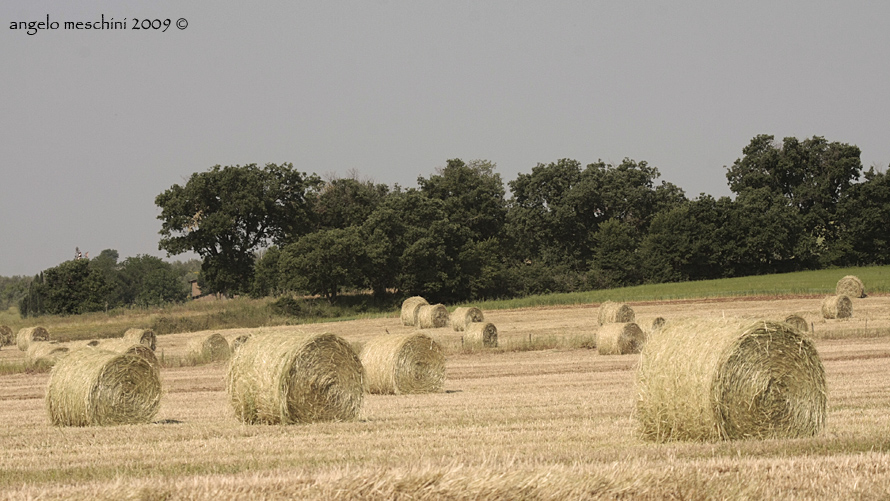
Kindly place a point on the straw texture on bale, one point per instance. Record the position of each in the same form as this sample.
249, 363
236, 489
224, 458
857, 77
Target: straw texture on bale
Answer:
28, 334
142, 336
99, 387
850, 286
837, 307
404, 363
713, 379
484, 333
432, 316
210, 348
620, 339
611, 312
798, 322
286, 378
45, 353
6, 337
658, 323
132, 347
464, 316
410, 309
237, 341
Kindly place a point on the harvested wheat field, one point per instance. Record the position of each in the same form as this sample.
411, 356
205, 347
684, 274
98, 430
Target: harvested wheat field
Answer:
542, 416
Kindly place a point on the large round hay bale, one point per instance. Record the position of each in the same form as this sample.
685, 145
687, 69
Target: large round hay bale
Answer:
45, 353
611, 312
712, 379
403, 363
142, 336
798, 322
620, 339
285, 378
432, 316
123, 345
837, 307
410, 309
464, 316
28, 334
100, 387
850, 286
484, 333
210, 348
6, 335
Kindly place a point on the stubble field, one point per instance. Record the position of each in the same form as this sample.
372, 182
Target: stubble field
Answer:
513, 423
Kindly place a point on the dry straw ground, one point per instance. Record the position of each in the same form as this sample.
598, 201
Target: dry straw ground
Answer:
548, 424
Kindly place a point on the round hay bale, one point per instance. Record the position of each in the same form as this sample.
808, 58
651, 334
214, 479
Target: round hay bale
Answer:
28, 334
237, 341
657, 324
142, 336
837, 307
850, 286
410, 309
620, 339
404, 363
484, 333
610, 312
464, 316
211, 348
286, 378
432, 316
45, 353
6, 335
99, 387
131, 347
713, 379
798, 322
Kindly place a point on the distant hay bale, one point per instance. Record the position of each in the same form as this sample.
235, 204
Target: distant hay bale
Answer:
123, 345
484, 333
713, 379
286, 378
798, 322
410, 309
611, 312
210, 348
850, 286
432, 316
236, 341
620, 339
837, 307
403, 363
464, 316
28, 334
142, 336
99, 387
6, 335
657, 324
45, 353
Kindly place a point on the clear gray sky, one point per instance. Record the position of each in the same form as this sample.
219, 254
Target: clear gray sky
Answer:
96, 123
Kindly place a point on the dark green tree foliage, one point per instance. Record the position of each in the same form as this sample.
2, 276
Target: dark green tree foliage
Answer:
228, 213
812, 175
544, 223
266, 280
615, 259
73, 287
149, 281
347, 202
473, 196
13, 290
688, 242
865, 216
323, 262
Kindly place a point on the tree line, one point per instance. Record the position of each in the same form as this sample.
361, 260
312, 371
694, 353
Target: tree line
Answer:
457, 236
